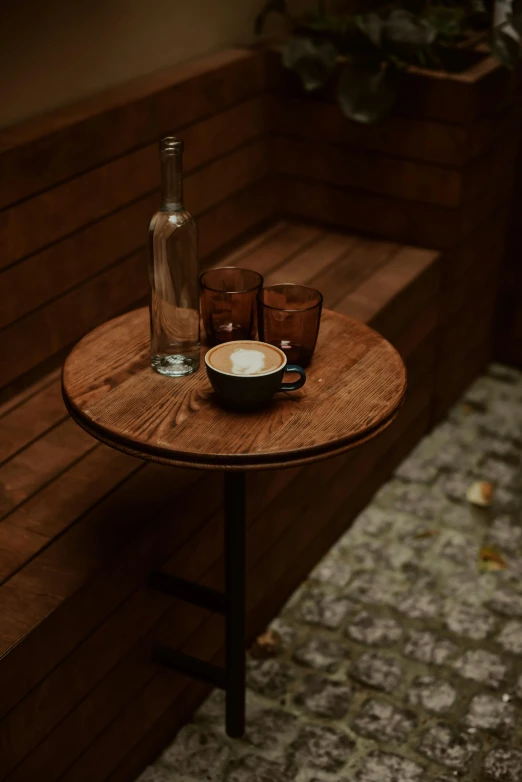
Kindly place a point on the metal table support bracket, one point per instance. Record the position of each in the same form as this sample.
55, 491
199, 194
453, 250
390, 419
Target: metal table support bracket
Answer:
231, 603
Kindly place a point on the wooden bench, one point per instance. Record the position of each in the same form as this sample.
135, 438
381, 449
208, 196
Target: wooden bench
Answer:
82, 526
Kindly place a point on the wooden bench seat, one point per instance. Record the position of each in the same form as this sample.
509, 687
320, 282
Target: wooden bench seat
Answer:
82, 527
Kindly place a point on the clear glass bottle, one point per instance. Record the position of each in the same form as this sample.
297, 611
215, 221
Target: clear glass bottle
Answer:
173, 272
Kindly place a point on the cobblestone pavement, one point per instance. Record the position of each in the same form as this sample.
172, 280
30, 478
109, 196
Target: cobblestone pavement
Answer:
400, 656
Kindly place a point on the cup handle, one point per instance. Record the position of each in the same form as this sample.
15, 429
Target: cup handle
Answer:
298, 383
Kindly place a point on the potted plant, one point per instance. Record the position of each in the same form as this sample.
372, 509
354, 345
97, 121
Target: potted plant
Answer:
364, 51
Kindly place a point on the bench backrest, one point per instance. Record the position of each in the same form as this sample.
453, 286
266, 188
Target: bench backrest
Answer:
78, 187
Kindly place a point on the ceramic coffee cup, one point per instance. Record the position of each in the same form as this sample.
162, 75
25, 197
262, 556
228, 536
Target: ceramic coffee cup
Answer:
245, 379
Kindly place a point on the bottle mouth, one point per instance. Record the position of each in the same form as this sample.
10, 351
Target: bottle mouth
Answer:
171, 145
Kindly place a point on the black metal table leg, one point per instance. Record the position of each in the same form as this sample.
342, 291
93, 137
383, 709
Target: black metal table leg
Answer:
235, 506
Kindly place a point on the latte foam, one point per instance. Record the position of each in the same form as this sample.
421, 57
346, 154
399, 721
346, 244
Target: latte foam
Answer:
245, 358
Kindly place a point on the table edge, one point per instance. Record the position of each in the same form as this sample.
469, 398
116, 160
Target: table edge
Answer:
244, 462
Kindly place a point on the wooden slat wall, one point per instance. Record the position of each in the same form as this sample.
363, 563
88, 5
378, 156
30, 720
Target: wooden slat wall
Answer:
74, 230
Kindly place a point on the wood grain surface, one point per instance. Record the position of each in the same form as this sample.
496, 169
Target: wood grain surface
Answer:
355, 385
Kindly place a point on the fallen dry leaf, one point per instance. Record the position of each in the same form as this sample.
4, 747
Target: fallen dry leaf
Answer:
266, 645
427, 533
480, 493
490, 560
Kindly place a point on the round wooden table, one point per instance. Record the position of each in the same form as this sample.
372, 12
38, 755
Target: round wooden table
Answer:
354, 389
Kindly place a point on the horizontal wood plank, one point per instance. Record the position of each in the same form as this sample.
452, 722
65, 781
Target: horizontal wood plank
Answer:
290, 241
28, 421
40, 462
104, 190
49, 583
79, 137
411, 139
355, 168
393, 219
63, 321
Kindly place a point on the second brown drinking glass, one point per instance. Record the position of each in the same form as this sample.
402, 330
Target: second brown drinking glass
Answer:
289, 317
228, 303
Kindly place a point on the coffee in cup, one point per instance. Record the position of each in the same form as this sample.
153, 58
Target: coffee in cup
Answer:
246, 373
246, 358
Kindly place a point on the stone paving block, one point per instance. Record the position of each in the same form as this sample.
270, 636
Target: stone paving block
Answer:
470, 621
384, 767
454, 485
457, 516
377, 670
373, 630
446, 746
505, 533
321, 653
270, 729
503, 374
411, 498
468, 586
371, 555
503, 765
252, 768
416, 534
324, 697
507, 601
488, 712
482, 666
332, 570
270, 678
499, 472
199, 752
510, 637
420, 604
418, 469
320, 747
506, 501
287, 632
518, 689
379, 588
382, 721
454, 454
372, 521
505, 450
428, 648
432, 694
320, 607
459, 548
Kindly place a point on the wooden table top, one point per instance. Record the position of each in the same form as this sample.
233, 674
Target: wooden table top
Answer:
355, 386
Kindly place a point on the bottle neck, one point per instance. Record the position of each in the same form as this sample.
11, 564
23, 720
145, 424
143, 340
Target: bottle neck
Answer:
171, 180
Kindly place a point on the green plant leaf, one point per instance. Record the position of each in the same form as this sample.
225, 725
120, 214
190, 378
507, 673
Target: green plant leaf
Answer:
505, 48
314, 62
405, 29
271, 6
367, 93
516, 23
371, 24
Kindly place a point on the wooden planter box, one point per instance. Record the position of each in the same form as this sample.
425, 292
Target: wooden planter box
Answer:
437, 173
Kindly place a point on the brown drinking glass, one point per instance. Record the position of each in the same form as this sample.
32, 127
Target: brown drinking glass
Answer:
228, 303
289, 317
